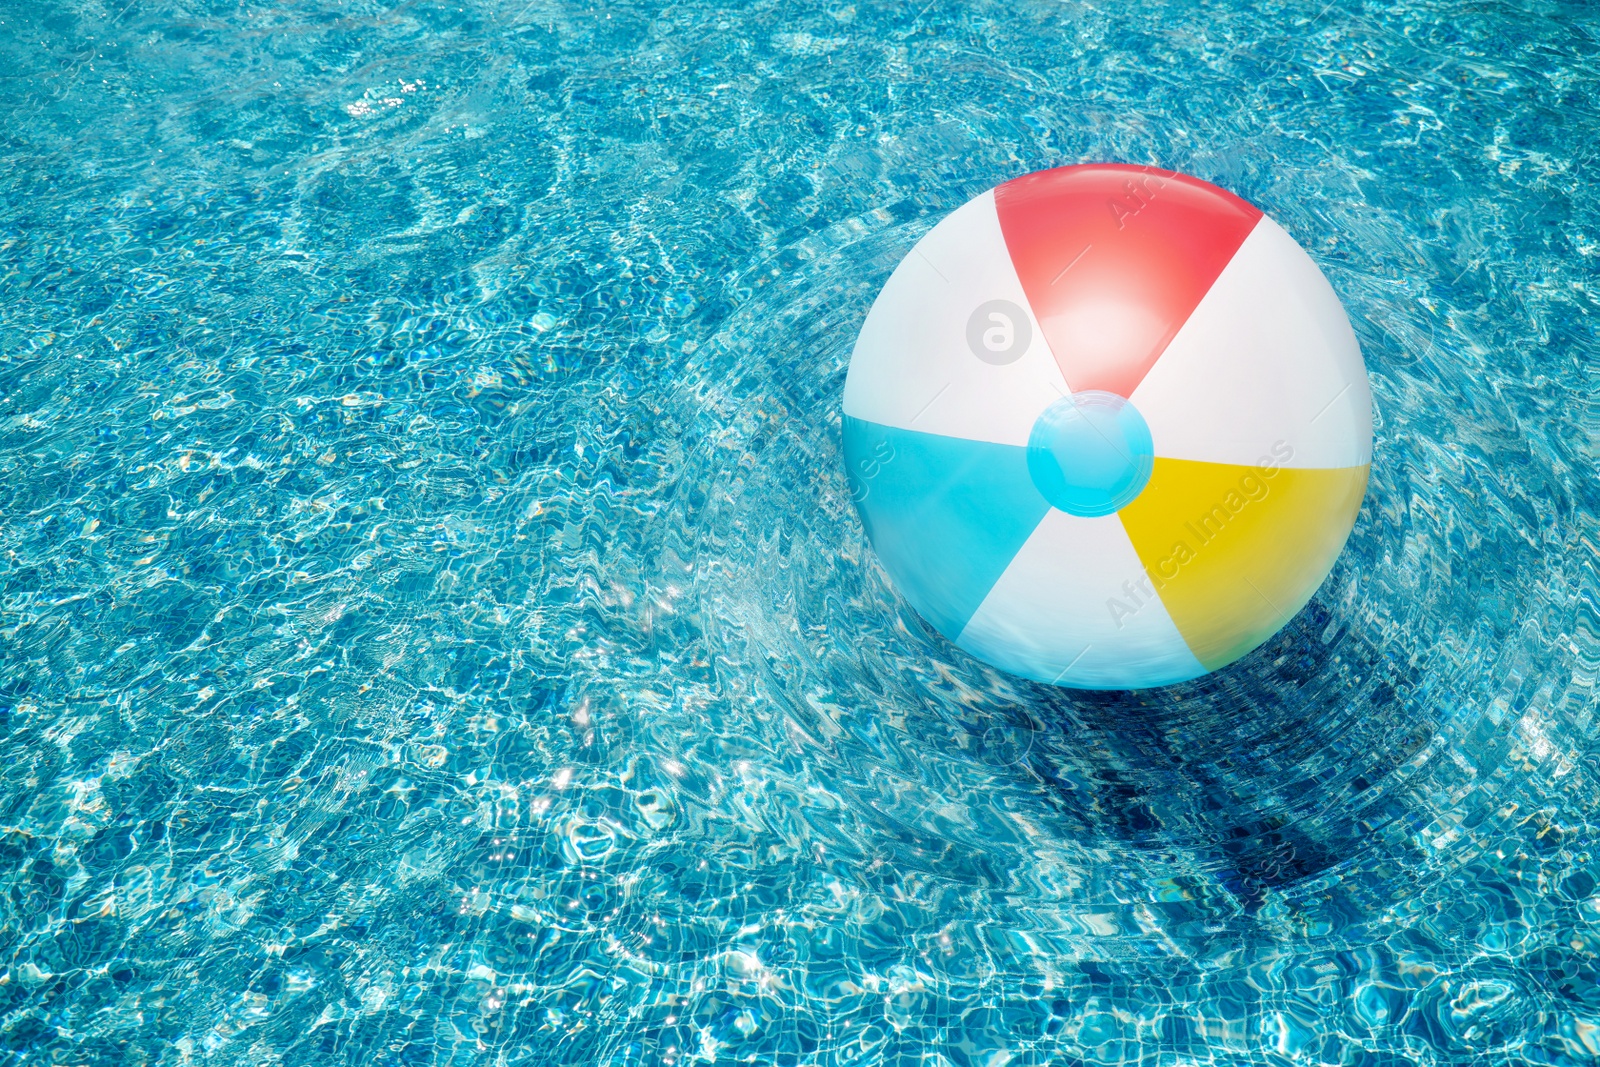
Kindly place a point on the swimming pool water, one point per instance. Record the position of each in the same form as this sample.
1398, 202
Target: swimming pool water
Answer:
435, 629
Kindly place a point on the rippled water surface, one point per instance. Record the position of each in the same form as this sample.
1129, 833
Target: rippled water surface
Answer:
435, 629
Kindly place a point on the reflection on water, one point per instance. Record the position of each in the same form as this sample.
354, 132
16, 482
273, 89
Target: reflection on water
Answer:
436, 629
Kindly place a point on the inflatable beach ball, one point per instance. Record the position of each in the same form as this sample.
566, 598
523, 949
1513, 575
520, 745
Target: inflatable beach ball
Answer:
1107, 427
